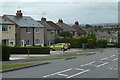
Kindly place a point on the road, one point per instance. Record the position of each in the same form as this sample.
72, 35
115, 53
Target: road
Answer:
99, 65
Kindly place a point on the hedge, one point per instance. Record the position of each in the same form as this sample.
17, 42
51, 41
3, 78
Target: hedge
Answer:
5, 53
30, 50
102, 43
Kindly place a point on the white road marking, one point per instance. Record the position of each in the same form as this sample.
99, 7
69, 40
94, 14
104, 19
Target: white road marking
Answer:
78, 73
104, 58
58, 72
88, 63
78, 69
115, 59
102, 64
63, 75
112, 55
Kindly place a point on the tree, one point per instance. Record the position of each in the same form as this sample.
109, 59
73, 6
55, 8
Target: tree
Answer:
65, 34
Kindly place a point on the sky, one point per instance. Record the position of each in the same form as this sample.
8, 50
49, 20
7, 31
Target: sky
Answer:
90, 12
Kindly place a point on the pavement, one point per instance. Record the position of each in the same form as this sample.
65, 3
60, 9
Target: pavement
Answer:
103, 64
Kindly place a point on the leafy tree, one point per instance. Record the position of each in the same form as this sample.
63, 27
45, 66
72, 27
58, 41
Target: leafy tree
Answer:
65, 34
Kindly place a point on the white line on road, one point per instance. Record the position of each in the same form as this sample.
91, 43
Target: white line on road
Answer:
88, 63
102, 64
113, 55
58, 72
78, 69
115, 59
78, 73
104, 58
63, 75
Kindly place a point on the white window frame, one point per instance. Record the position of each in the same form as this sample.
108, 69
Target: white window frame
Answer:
5, 26
37, 30
36, 42
28, 30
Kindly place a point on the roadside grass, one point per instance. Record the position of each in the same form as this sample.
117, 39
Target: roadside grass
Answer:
81, 54
42, 59
6, 67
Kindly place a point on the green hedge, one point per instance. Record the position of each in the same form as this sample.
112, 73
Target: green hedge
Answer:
30, 50
102, 43
5, 53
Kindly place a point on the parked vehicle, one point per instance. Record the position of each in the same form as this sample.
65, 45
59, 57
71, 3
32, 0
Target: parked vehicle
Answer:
59, 46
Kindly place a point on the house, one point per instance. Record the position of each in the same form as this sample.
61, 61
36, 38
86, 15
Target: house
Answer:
57, 28
7, 32
66, 27
49, 32
80, 31
28, 32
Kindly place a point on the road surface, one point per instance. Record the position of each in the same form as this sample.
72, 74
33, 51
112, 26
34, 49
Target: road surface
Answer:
99, 65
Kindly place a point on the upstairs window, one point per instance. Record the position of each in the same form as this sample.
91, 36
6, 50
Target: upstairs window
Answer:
37, 30
28, 30
4, 28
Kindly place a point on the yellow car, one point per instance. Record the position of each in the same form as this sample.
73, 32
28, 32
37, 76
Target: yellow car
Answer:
58, 46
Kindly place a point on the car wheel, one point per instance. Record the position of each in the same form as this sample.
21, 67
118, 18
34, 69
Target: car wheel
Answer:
63, 49
51, 49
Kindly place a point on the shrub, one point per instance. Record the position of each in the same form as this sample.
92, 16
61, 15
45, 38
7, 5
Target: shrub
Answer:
30, 50
5, 53
75, 42
102, 43
91, 43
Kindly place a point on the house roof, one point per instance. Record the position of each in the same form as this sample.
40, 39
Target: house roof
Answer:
3, 21
54, 25
24, 21
102, 34
66, 27
79, 29
47, 26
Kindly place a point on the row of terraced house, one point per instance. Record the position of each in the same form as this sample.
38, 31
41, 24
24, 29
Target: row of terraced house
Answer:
20, 30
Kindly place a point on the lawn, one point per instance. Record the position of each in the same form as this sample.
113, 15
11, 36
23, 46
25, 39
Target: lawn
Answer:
5, 67
81, 54
42, 59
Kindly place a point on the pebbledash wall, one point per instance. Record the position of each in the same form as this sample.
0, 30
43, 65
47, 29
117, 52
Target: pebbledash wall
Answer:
8, 35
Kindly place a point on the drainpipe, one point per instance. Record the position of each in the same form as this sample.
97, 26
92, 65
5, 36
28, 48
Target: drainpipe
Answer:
33, 37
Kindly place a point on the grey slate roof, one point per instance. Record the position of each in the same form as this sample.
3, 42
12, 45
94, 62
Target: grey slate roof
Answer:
24, 21
3, 21
102, 34
47, 26
66, 27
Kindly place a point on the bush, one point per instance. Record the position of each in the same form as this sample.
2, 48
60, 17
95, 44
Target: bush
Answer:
30, 50
5, 53
75, 42
91, 43
102, 43
115, 45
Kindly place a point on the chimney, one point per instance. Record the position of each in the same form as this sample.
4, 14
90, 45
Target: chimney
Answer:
60, 20
43, 19
76, 23
19, 14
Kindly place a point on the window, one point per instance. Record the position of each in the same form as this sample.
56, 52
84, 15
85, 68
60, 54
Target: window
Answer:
4, 28
73, 33
28, 42
28, 30
37, 41
37, 30
5, 41
52, 32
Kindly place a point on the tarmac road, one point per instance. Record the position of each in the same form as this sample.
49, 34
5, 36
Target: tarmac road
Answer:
100, 65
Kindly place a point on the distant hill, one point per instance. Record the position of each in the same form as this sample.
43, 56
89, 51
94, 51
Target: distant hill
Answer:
99, 24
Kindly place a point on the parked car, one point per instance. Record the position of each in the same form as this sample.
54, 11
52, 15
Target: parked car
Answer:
67, 44
59, 46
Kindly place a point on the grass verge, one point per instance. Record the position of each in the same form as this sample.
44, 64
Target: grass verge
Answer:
42, 59
81, 54
6, 67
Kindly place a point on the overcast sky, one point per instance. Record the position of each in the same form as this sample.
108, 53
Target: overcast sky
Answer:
84, 12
